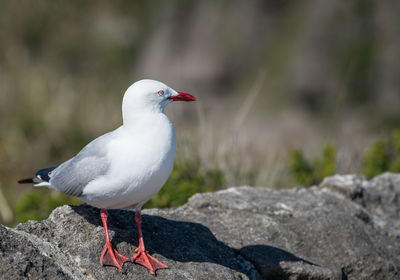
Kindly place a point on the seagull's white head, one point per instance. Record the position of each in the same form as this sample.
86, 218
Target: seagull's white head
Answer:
150, 96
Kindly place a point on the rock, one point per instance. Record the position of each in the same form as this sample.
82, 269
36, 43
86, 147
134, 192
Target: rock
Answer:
380, 197
346, 228
25, 256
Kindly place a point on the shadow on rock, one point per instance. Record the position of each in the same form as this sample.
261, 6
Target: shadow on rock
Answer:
184, 242
175, 240
275, 263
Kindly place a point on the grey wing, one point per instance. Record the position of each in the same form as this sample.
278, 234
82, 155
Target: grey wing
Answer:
91, 162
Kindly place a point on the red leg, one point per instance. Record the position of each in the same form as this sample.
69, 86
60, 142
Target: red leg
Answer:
141, 256
110, 256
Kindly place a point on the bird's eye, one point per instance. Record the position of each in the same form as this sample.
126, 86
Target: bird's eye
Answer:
160, 93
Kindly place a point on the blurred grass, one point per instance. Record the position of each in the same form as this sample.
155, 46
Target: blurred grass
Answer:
383, 155
185, 180
38, 204
189, 178
306, 172
268, 75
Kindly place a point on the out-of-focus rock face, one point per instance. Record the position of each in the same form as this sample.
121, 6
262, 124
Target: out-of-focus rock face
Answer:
346, 228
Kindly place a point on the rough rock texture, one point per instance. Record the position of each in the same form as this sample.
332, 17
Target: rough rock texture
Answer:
346, 228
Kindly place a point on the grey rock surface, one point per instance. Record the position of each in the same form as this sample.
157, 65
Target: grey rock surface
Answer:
346, 228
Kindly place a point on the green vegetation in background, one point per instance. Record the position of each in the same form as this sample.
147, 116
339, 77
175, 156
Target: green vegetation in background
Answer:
306, 172
189, 178
58, 55
185, 180
37, 204
383, 155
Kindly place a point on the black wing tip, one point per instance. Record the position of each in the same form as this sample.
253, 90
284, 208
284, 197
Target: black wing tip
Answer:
41, 176
44, 174
26, 181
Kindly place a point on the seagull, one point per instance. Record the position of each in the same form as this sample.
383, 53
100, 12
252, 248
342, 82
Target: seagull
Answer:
124, 168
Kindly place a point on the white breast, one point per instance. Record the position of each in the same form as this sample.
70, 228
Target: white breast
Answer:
142, 158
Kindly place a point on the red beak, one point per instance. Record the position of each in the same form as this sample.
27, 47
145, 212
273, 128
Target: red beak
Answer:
183, 97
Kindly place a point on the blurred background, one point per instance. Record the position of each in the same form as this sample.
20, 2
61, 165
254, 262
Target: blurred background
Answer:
288, 91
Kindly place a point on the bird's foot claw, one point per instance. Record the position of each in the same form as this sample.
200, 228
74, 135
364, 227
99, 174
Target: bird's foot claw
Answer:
143, 258
112, 257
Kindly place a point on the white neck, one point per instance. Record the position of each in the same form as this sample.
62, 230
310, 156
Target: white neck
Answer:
134, 109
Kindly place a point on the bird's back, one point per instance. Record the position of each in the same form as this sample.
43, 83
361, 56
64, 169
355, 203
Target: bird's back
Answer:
72, 176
